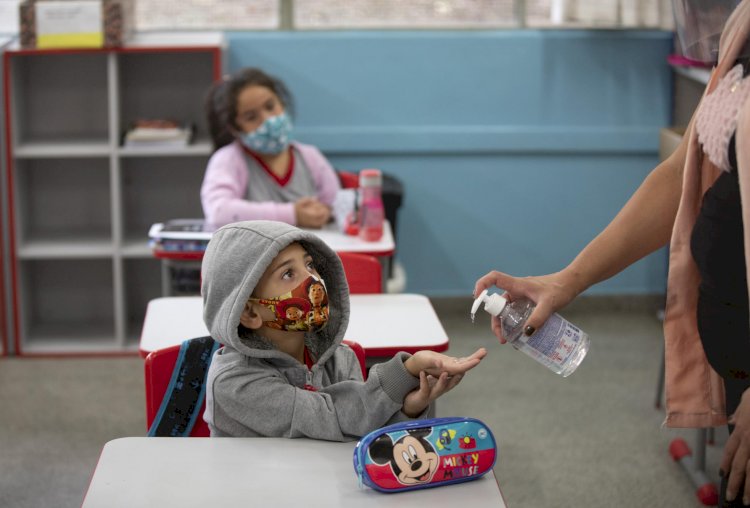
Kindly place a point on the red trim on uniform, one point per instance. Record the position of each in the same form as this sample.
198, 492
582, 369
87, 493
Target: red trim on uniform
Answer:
289, 170
309, 361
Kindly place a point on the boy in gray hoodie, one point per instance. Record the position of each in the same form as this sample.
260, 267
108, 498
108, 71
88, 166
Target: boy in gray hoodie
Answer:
276, 297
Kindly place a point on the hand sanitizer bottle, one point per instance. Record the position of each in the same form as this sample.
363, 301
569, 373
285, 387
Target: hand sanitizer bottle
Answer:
558, 345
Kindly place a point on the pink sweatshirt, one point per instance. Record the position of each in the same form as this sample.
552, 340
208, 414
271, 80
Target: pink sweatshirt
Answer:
694, 392
224, 189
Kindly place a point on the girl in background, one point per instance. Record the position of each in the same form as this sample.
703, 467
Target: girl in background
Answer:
256, 171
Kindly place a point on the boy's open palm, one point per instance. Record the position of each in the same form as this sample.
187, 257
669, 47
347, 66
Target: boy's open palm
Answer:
435, 364
430, 388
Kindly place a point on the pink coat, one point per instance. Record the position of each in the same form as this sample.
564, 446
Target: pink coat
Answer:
224, 189
694, 392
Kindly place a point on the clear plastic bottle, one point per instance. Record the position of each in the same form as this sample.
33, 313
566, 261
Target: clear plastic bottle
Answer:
558, 345
371, 211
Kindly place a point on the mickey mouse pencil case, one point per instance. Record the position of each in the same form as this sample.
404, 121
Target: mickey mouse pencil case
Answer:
425, 453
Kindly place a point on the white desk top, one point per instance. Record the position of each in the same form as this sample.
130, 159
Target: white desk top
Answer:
271, 472
341, 242
382, 323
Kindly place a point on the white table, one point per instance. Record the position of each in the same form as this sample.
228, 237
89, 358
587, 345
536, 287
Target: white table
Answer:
254, 472
341, 242
382, 323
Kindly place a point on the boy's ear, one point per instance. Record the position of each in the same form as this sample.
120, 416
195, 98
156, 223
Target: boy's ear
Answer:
250, 318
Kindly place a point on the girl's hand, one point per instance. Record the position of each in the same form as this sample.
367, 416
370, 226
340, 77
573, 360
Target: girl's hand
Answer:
548, 292
311, 213
737, 452
430, 388
435, 364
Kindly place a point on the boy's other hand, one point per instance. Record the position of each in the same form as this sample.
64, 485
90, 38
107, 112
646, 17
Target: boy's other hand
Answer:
430, 388
549, 292
435, 364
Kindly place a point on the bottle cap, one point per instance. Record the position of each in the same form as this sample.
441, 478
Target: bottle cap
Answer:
370, 178
493, 303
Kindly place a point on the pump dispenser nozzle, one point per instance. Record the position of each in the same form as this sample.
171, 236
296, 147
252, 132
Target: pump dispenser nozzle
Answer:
493, 303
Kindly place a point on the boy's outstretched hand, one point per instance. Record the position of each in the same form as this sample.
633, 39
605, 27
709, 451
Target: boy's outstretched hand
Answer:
430, 388
434, 364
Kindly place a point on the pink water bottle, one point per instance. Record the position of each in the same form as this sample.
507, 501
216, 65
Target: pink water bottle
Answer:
371, 211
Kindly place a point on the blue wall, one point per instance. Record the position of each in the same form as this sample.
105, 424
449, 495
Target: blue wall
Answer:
515, 147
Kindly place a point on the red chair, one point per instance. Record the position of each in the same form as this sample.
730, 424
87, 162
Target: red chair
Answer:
158, 371
158, 368
348, 179
364, 273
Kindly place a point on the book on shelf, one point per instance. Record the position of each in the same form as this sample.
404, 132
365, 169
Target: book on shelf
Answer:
158, 134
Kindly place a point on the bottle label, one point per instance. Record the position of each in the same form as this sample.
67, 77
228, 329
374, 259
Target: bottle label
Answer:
554, 341
372, 216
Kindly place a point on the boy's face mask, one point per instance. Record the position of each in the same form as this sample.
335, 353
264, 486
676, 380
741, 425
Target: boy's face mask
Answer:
303, 309
271, 137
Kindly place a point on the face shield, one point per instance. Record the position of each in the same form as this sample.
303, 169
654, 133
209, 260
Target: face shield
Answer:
699, 24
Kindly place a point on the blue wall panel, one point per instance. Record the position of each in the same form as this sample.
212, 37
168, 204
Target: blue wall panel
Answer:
514, 147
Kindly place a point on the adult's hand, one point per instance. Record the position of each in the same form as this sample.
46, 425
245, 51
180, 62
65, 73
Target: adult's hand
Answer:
736, 459
549, 293
430, 388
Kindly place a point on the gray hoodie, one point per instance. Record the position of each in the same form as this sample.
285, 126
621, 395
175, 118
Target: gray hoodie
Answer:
254, 389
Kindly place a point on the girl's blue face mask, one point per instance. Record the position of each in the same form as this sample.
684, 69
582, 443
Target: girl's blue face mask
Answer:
271, 138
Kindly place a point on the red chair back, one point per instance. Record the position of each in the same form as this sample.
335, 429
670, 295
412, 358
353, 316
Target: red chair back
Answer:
348, 179
158, 370
364, 273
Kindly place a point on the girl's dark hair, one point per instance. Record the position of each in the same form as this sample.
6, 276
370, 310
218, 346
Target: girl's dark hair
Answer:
221, 101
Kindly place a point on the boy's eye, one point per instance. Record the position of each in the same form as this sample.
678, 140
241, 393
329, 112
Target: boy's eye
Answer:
288, 274
311, 266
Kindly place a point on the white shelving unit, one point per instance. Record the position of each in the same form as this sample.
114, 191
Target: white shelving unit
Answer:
81, 271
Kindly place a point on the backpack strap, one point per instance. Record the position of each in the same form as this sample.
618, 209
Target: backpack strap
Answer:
184, 396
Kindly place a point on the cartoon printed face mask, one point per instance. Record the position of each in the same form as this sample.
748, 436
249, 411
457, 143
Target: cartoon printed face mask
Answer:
271, 137
303, 309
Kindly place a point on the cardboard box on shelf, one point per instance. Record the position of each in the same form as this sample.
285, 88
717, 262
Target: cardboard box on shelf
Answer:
46, 24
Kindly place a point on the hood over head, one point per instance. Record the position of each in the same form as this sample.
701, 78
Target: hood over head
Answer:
235, 260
